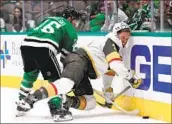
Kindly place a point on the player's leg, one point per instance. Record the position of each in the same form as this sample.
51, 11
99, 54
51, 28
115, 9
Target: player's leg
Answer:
83, 99
75, 69
30, 75
107, 88
41, 58
48, 64
75, 66
31, 71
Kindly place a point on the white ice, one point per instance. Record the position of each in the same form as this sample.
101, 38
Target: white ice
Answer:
40, 113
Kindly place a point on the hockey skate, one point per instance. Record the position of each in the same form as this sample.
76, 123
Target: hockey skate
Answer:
25, 104
59, 108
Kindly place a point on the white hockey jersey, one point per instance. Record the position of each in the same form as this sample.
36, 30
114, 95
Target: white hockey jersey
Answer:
106, 54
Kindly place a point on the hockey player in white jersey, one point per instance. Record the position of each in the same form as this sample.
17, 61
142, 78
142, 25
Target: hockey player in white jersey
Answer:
91, 61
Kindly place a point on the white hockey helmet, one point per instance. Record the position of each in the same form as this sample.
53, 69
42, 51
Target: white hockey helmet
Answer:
120, 26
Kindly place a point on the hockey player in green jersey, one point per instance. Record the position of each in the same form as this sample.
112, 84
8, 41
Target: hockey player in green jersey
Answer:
52, 36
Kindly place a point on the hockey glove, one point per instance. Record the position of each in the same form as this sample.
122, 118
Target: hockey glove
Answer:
135, 80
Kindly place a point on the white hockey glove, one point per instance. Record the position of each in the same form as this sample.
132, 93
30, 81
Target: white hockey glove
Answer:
134, 79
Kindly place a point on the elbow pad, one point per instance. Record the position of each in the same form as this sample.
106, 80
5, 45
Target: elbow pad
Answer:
120, 69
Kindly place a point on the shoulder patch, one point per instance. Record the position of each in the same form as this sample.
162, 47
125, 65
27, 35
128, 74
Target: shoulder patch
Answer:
110, 47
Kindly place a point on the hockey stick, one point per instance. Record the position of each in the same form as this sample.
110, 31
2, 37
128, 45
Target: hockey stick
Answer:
120, 93
134, 112
123, 91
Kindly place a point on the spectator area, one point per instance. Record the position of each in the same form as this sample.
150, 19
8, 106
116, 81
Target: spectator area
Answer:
93, 13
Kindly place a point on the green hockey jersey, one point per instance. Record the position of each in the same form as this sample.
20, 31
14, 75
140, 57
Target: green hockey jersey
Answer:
55, 33
139, 17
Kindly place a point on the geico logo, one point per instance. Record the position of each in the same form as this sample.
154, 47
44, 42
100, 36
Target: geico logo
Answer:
155, 64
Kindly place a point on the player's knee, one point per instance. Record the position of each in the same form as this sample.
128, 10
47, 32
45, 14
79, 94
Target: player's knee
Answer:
64, 85
91, 102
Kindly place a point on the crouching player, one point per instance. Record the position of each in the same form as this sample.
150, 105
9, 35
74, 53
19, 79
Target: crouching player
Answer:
91, 61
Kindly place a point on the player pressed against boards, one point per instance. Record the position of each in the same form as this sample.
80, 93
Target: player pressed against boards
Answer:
96, 59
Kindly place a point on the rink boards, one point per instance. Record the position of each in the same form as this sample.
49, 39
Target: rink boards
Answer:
147, 53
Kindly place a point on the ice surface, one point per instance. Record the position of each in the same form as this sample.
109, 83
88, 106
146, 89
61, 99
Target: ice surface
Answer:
40, 113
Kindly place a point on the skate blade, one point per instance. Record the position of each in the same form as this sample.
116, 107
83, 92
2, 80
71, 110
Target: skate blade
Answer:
57, 118
20, 113
25, 106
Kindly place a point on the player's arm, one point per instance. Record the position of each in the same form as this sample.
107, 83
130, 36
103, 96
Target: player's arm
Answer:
69, 46
114, 60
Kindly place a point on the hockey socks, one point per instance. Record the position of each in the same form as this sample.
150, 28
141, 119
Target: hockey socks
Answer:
24, 91
27, 83
78, 102
30, 77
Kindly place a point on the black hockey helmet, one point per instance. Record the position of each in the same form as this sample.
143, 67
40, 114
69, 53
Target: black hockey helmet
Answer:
70, 12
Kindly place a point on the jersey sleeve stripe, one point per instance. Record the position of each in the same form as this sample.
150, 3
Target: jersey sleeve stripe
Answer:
54, 87
110, 73
115, 59
113, 56
51, 89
